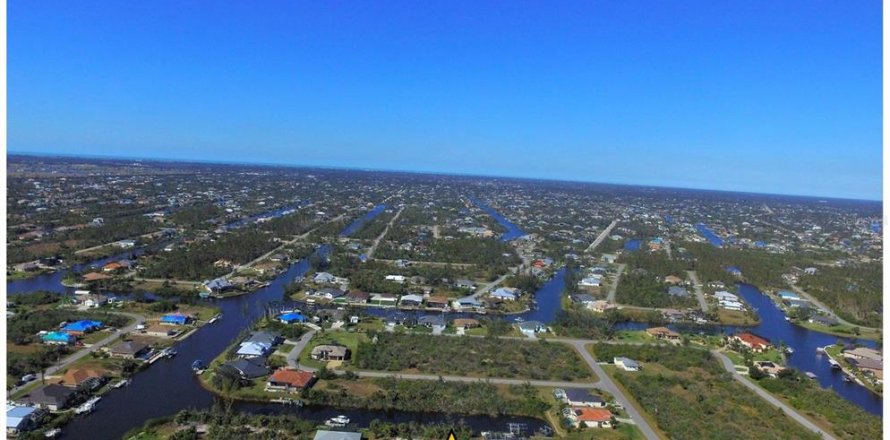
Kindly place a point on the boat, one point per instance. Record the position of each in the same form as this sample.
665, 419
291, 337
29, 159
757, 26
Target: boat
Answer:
198, 366
834, 364
519, 319
789, 350
811, 375
170, 352
88, 406
338, 421
122, 383
215, 319
787, 318
847, 379
820, 350
52, 433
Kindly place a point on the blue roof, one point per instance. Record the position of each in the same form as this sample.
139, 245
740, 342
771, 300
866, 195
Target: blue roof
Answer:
57, 336
15, 415
581, 395
175, 318
82, 326
293, 316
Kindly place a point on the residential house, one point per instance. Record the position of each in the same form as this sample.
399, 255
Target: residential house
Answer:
753, 342
247, 369
291, 318
823, 320
673, 279
128, 349
593, 417
330, 353
330, 293
465, 284
53, 397
437, 302
401, 319
435, 322
396, 278
864, 353
771, 369
663, 333
337, 435
411, 300
324, 278
583, 298
82, 327
582, 397
95, 277
175, 319
384, 299
357, 297
20, 419
590, 282
677, 291
289, 380
505, 293
466, 323
531, 328
88, 378
218, 285
161, 331
627, 364
469, 302
601, 306
58, 338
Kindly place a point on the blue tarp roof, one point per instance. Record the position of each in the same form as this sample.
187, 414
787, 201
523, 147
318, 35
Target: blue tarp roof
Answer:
175, 318
15, 415
293, 316
82, 326
57, 336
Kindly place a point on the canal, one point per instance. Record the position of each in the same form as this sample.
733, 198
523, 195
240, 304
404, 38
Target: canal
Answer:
513, 231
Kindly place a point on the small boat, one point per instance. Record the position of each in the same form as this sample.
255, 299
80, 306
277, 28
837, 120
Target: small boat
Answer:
88, 406
787, 318
214, 319
338, 421
811, 375
789, 350
122, 383
519, 319
847, 379
820, 350
52, 433
170, 352
834, 364
198, 366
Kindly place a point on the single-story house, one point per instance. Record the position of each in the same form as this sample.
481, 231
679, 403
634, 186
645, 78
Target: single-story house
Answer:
505, 293
870, 366
663, 333
395, 278
466, 323
91, 378
401, 319
432, 321
627, 364
593, 417
161, 331
128, 349
218, 285
58, 338
82, 327
333, 315
677, 291
583, 299
601, 306
437, 302
292, 317
772, 369
330, 353
251, 349
673, 279
590, 282
411, 300
752, 341
286, 379
469, 302
786, 295
384, 299
723, 295
465, 284
95, 276
265, 337
175, 319
19, 418
357, 297
823, 320
246, 368
330, 293
582, 397
864, 353
323, 278
53, 397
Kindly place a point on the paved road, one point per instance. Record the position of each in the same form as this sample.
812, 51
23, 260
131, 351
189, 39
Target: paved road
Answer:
293, 358
112, 337
728, 365
602, 236
696, 284
613, 289
89, 249
605, 383
827, 309
383, 234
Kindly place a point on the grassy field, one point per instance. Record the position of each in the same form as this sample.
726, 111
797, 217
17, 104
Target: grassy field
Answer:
689, 396
842, 330
736, 318
348, 339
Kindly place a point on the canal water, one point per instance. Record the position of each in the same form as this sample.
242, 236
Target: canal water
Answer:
706, 232
169, 385
356, 225
513, 231
633, 245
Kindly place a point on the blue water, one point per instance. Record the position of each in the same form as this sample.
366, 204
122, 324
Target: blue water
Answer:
633, 245
669, 219
356, 225
513, 232
709, 235
271, 214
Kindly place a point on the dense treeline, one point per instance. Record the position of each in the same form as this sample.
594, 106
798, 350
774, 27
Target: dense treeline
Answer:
290, 225
645, 290
370, 276
584, 324
490, 357
761, 268
435, 396
196, 261
489, 253
655, 263
854, 291
691, 397
196, 217
370, 230
847, 420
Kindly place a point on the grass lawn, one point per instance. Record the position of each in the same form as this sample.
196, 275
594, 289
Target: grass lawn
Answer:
841, 330
732, 317
634, 336
349, 339
284, 349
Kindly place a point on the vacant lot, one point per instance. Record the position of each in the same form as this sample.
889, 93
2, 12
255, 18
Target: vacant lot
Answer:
482, 357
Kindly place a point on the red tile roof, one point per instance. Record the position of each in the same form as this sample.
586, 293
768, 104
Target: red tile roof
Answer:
593, 414
294, 378
753, 340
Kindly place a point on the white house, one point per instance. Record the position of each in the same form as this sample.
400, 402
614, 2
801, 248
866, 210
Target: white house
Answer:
627, 364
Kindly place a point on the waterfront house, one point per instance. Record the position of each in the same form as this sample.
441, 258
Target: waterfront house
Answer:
593, 417
723, 295
84, 378
531, 328
505, 293
247, 369
469, 302
20, 419
627, 364
582, 397
591, 282
601, 306
663, 333
411, 300
673, 279
786, 295
333, 315
113, 266
251, 349
337, 435
289, 380
330, 353
291, 318
466, 323
823, 320
384, 299
94, 277
82, 327
771, 369
53, 397
128, 350
435, 322
58, 338
218, 285
175, 319
161, 331
401, 319
864, 353
330, 293
357, 297
751, 341
324, 278
584, 299
465, 284
868, 366
437, 302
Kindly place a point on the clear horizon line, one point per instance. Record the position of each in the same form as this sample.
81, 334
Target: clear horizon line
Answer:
443, 173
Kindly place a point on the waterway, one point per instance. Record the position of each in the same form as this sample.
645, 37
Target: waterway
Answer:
513, 231
357, 224
706, 232
633, 245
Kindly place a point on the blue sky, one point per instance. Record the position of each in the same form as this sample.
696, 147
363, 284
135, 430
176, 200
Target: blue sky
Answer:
760, 96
